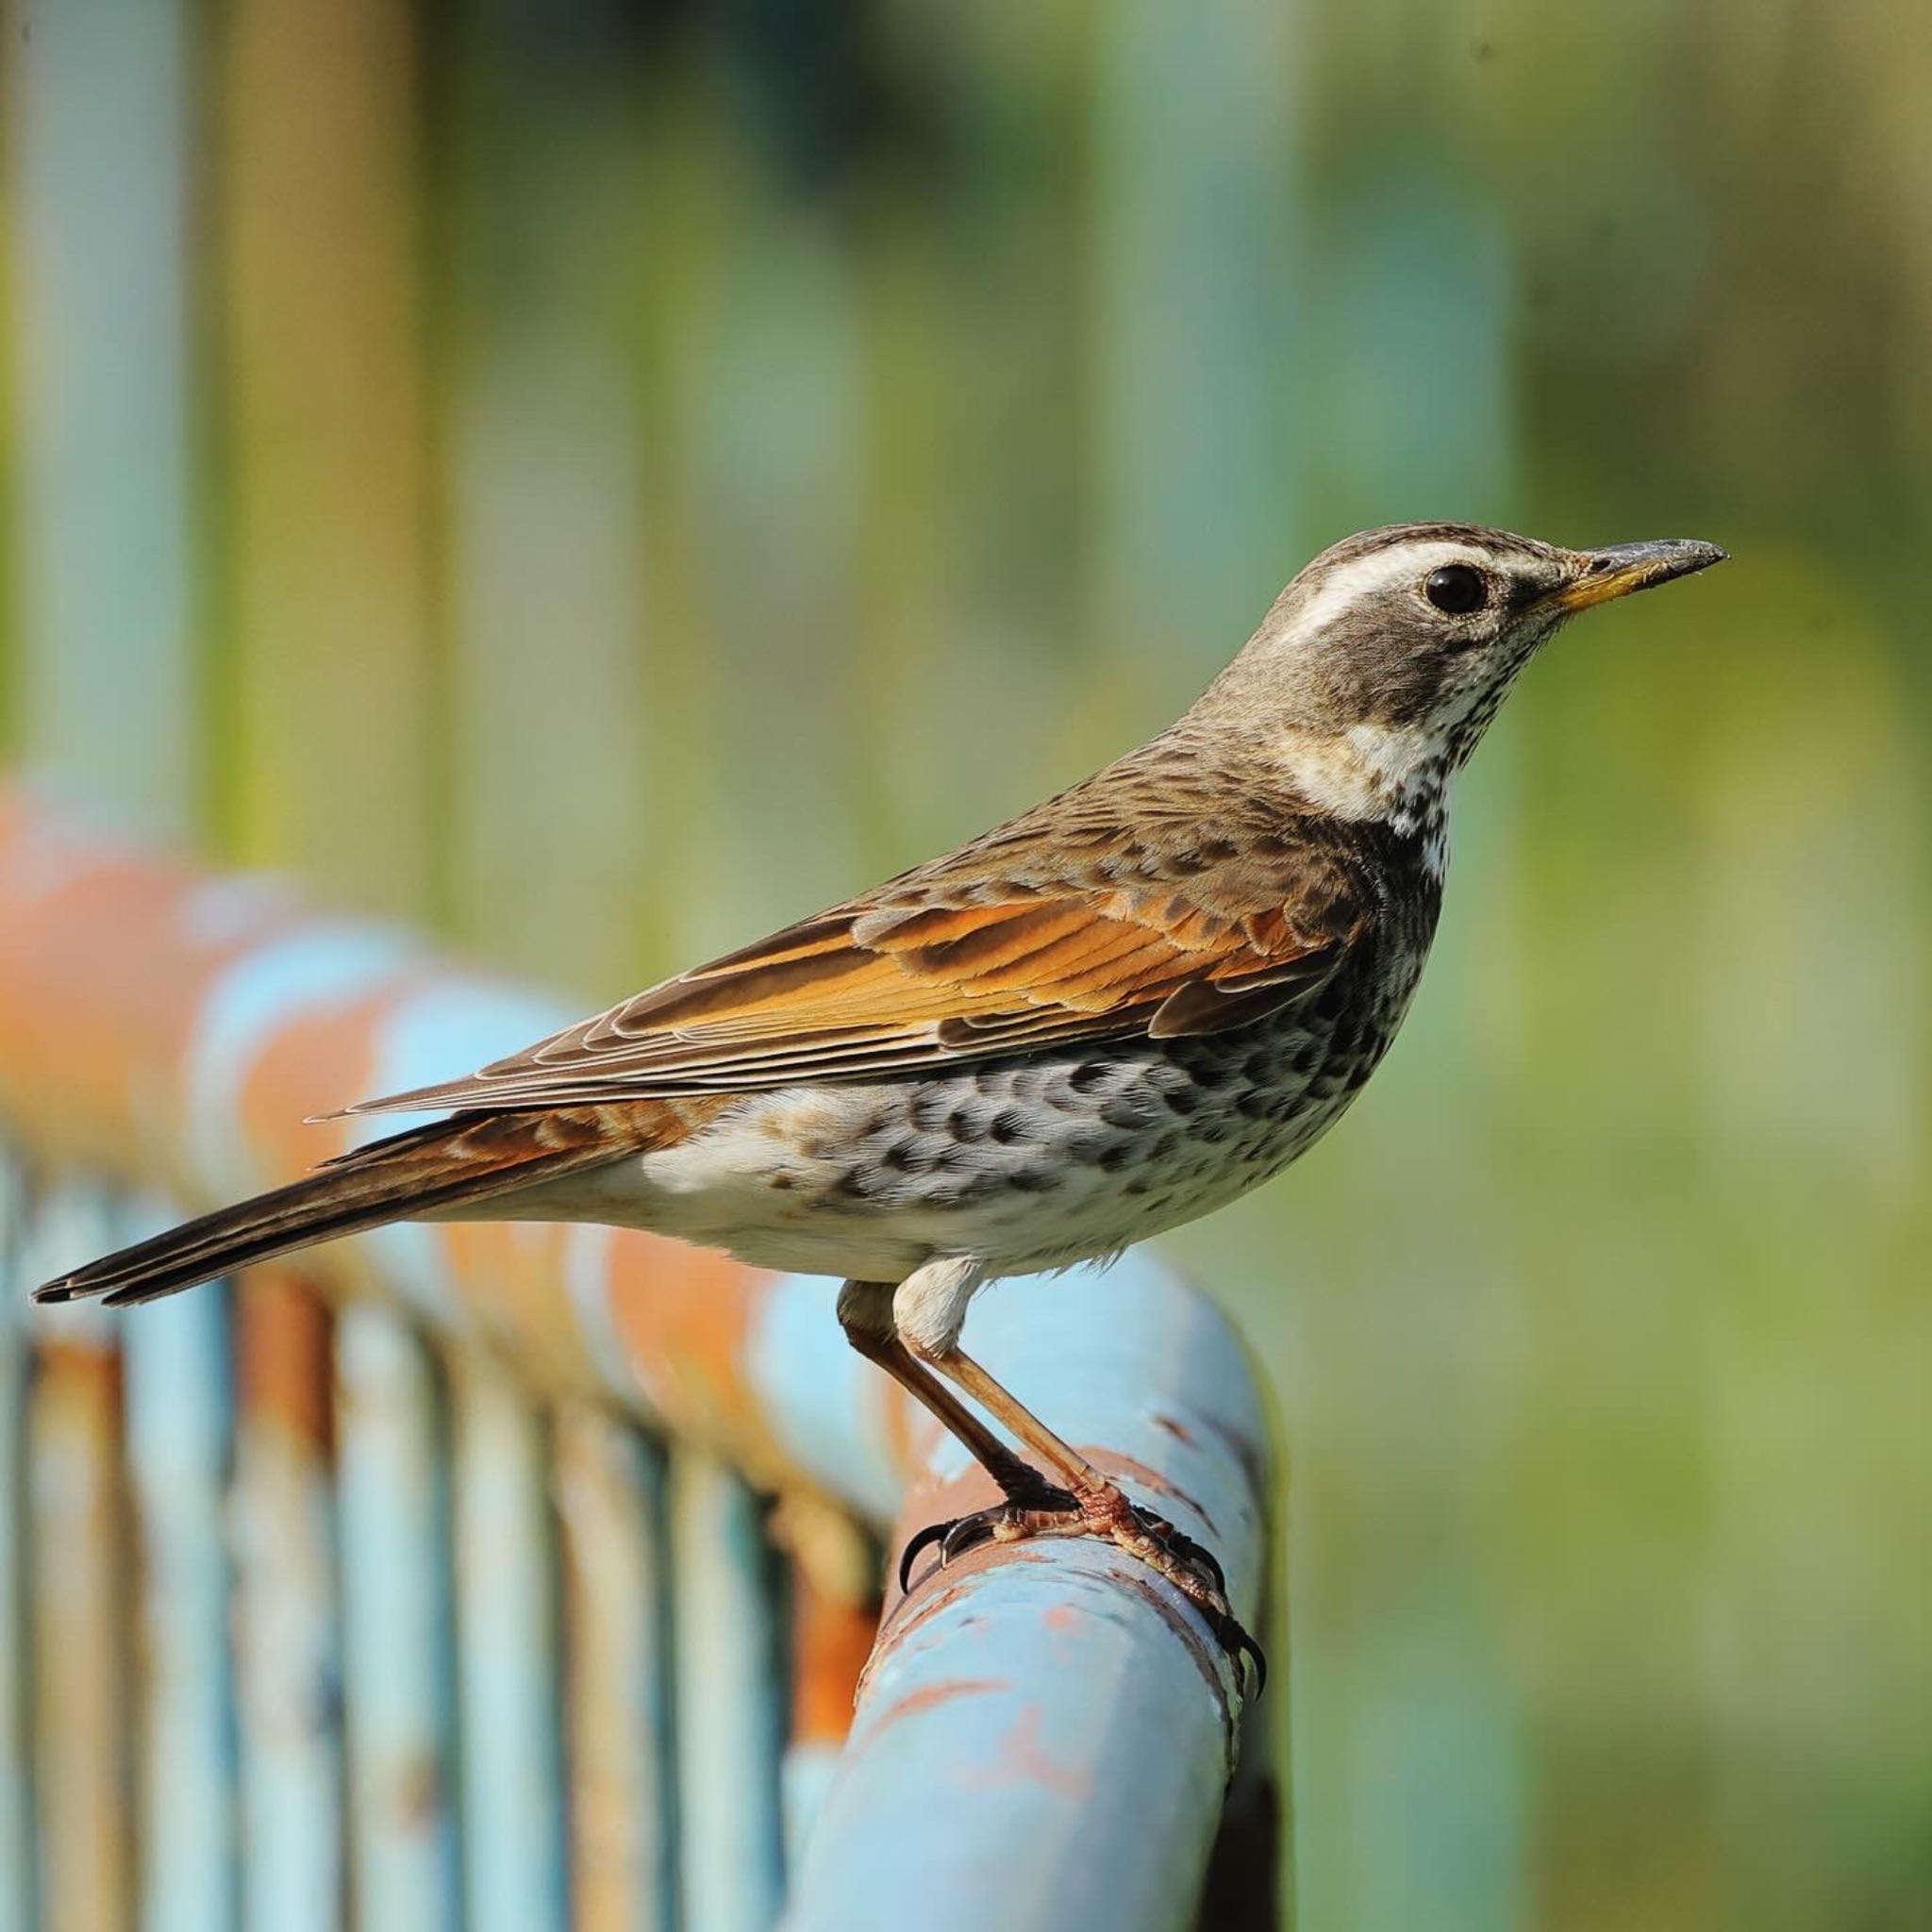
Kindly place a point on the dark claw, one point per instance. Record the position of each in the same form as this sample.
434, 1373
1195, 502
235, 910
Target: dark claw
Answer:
930, 1532
1034, 1516
967, 1533
1195, 1553
1250, 1663
1028, 1495
1242, 1647
1228, 1628
963, 1533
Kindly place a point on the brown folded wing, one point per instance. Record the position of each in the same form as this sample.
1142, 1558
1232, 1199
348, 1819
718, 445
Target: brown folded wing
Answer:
883, 987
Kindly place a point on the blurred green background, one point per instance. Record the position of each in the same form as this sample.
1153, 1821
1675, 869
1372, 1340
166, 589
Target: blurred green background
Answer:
610, 478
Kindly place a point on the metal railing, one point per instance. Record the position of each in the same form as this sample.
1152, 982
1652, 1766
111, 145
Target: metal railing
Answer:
434, 1584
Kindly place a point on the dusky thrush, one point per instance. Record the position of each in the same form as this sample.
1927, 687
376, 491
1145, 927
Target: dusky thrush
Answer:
1114, 1013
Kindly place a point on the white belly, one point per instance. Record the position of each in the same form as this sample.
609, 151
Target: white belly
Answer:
1023, 1164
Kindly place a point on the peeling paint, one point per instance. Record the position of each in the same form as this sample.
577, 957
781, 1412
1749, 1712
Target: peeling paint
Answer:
931, 1696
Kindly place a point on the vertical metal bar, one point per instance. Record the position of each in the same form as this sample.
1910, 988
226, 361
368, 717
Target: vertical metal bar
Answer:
78, 1639
512, 1777
1196, 337
545, 505
1415, 277
1201, 333
396, 1625
728, 1709
325, 411
96, 114
101, 140
758, 323
546, 491
831, 1638
16, 1792
288, 1656
178, 1418
611, 1500
974, 419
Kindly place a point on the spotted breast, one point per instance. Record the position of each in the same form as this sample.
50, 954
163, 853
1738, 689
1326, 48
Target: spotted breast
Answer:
1033, 1162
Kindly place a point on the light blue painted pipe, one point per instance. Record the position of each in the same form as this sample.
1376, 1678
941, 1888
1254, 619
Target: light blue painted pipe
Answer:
178, 1434
507, 1658
1045, 1731
16, 1792
807, 1776
100, 135
729, 1691
288, 1675
77, 1573
395, 1626
1040, 1754
610, 1484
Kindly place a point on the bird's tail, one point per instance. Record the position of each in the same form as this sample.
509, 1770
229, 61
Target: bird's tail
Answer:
427, 1171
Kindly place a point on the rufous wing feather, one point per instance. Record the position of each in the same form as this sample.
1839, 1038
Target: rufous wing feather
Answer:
892, 984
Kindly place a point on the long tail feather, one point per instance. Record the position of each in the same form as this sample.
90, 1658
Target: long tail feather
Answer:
427, 1171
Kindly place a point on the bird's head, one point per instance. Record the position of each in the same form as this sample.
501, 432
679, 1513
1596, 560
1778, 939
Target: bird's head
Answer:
1379, 667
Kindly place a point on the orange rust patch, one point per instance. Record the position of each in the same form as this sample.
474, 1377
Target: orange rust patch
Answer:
320, 1060
931, 1696
939, 1502
282, 1354
830, 1643
62, 972
1029, 1760
1023, 1759
101, 982
686, 1315
81, 1683
70, 1360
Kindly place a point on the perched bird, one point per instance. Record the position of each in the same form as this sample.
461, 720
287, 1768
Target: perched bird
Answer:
1112, 1014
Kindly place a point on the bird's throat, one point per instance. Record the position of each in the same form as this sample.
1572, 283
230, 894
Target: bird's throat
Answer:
1395, 774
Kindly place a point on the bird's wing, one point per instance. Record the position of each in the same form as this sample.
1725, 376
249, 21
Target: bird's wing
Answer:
931, 971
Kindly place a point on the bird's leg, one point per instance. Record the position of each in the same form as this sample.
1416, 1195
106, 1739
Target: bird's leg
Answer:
1081, 1478
928, 1308
1104, 1507
865, 1313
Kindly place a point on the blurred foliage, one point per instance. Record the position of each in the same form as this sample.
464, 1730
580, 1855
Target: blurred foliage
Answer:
657, 468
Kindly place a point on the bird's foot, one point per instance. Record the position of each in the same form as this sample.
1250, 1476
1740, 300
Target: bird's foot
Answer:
1109, 1513
1033, 1506
1190, 1567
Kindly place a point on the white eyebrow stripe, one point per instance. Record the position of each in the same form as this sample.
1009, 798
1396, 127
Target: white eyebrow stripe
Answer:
1384, 570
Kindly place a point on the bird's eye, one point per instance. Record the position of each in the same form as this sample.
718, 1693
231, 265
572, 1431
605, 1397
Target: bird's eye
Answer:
1456, 588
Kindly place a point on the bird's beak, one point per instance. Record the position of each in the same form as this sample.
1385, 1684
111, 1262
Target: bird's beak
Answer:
1624, 567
